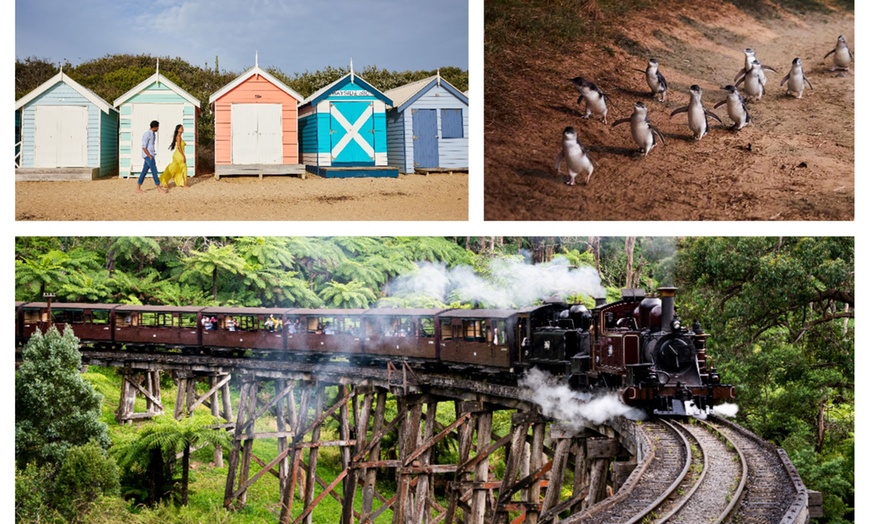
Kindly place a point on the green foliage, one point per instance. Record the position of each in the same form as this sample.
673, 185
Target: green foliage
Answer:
32, 489
354, 294
55, 409
49, 272
152, 453
86, 473
782, 311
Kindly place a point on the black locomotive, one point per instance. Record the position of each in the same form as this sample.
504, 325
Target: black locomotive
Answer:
636, 345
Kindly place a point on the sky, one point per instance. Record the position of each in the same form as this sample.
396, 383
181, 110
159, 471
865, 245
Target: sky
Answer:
293, 36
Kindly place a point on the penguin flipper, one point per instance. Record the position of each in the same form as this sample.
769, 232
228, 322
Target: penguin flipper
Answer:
742, 72
720, 103
684, 109
807, 80
738, 82
620, 121
655, 133
662, 81
784, 79
769, 68
829, 53
713, 115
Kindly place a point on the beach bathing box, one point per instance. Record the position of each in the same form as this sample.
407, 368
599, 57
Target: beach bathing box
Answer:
427, 129
156, 98
67, 133
256, 128
343, 131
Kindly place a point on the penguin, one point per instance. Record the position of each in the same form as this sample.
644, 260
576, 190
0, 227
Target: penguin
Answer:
842, 55
573, 154
643, 133
796, 79
595, 98
753, 85
749, 57
737, 110
655, 80
697, 114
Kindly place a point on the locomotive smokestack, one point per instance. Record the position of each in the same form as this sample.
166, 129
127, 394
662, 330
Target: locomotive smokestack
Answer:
667, 296
600, 301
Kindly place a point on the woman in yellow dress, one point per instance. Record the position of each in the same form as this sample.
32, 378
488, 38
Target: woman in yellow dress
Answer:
177, 169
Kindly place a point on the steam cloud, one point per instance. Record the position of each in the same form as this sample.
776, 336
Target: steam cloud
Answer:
726, 410
560, 402
510, 283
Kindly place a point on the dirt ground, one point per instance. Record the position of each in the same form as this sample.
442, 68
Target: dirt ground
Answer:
795, 161
409, 197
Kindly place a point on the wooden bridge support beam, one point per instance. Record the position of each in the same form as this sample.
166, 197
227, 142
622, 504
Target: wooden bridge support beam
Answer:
529, 491
134, 383
600, 452
215, 398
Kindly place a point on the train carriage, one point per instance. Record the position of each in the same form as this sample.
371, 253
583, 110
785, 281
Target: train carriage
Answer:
484, 337
91, 323
242, 328
403, 332
334, 331
138, 326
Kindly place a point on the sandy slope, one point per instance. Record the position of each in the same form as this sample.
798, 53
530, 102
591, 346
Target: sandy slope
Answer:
795, 161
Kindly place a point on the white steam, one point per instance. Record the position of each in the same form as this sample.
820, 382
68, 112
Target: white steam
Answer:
726, 410
577, 409
509, 283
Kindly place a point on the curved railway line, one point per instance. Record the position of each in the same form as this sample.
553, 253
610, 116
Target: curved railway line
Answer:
686, 471
737, 478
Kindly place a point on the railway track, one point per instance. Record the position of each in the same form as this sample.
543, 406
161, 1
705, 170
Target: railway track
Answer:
773, 493
704, 471
721, 473
657, 477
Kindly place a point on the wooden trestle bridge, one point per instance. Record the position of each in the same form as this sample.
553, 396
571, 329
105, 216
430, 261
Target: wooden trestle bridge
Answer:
552, 472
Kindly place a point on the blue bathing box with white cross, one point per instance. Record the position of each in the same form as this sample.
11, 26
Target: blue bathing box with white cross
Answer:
343, 130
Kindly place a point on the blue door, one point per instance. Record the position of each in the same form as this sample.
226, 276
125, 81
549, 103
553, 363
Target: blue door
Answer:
425, 137
352, 133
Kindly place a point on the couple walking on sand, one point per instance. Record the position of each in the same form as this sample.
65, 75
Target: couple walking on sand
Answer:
176, 170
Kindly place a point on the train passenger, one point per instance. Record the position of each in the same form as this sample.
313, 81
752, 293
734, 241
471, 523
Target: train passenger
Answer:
269, 324
231, 324
206, 323
328, 329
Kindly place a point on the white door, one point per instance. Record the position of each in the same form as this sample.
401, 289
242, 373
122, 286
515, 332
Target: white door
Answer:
61, 136
169, 116
257, 134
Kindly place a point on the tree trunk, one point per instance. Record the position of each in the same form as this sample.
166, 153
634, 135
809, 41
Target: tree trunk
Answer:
820, 435
185, 473
595, 244
110, 257
629, 261
214, 283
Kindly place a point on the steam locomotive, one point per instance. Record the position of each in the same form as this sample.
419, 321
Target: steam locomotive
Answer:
636, 346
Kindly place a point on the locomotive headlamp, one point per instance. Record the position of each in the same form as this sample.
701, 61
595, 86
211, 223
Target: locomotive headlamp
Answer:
675, 325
